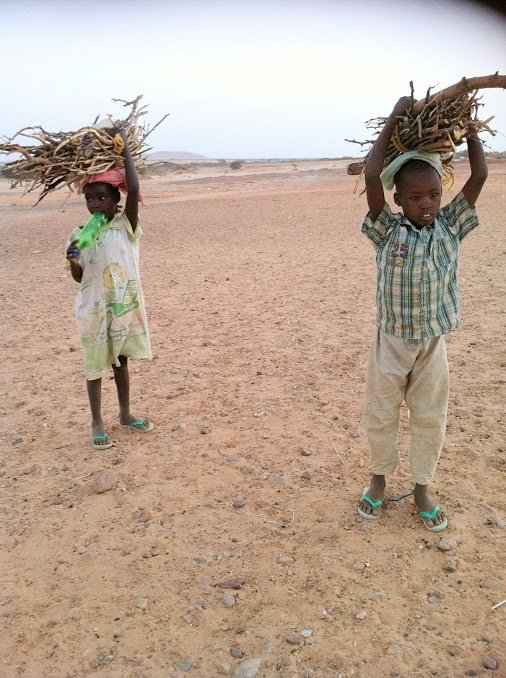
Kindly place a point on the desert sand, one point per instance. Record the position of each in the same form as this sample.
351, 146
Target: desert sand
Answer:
259, 289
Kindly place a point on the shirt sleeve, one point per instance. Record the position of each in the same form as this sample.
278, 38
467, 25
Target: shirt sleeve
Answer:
133, 236
460, 218
379, 229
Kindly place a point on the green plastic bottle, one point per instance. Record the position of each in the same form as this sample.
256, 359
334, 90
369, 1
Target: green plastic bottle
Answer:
90, 232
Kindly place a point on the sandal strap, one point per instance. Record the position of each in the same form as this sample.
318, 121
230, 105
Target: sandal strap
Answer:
373, 504
432, 514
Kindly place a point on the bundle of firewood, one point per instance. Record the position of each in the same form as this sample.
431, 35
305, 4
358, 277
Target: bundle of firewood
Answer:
54, 159
438, 123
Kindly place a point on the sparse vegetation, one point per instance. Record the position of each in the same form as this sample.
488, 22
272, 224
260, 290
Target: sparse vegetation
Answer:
235, 164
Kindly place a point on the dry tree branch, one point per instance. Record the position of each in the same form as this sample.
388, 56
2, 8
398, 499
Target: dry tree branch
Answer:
57, 158
437, 123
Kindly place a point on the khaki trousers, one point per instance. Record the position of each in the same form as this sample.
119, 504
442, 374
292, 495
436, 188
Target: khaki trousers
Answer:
416, 371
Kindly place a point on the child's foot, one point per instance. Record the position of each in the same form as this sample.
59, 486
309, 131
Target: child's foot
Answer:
99, 438
433, 518
143, 425
370, 503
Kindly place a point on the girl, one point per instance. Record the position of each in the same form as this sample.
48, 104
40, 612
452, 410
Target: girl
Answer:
110, 306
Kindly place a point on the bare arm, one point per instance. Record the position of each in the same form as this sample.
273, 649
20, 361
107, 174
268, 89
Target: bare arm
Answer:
132, 180
479, 172
376, 159
73, 255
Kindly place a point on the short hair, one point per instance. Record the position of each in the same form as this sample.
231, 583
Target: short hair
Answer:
415, 166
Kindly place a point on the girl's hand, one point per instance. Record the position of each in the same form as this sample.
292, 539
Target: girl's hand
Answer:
73, 253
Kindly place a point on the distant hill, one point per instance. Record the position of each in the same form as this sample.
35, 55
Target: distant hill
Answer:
175, 155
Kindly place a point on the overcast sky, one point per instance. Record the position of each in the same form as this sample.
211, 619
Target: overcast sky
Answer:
242, 79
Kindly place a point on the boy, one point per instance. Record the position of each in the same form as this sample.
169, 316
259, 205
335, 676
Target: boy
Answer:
417, 303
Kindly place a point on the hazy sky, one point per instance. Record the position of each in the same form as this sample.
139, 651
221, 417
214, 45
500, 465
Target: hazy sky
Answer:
242, 79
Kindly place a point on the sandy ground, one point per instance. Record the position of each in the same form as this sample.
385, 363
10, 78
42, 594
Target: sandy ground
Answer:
260, 296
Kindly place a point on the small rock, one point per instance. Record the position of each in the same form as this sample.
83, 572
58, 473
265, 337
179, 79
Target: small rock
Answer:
377, 596
236, 652
450, 566
361, 615
27, 471
181, 426
489, 662
223, 669
200, 602
247, 470
232, 583
395, 650
305, 452
471, 672
266, 649
494, 583
358, 566
141, 603
238, 503
433, 600
103, 482
306, 633
228, 600
447, 544
185, 666
205, 430
292, 638
18, 441
286, 560
247, 669
306, 475
188, 619
276, 479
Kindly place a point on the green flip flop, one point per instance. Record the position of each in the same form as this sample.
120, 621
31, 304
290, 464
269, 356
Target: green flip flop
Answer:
430, 516
101, 441
143, 425
373, 504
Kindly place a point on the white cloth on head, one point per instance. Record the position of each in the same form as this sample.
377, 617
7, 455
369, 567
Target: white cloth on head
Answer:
388, 175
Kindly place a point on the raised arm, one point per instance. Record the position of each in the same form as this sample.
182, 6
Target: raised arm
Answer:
376, 159
132, 180
479, 171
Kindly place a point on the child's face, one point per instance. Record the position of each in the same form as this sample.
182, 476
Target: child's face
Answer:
100, 198
419, 195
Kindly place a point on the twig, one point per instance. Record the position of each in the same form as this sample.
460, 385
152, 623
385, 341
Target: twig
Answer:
335, 450
494, 607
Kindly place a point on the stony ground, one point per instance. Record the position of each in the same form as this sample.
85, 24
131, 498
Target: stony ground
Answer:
260, 296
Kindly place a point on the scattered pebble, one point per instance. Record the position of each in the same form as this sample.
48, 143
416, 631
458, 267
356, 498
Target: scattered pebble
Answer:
247, 669
205, 430
286, 560
276, 479
450, 566
236, 652
305, 452
228, 600
306, 633
238, 503
489, 662
447, 544
141, 603
266, 649
247, 470
292, 638
433, 600
181, 426
200, 602
232, 583
306, 475
359, 566
185, 666
361, 615
223, 669
103, 482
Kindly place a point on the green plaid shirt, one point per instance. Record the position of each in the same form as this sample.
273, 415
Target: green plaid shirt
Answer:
417, 293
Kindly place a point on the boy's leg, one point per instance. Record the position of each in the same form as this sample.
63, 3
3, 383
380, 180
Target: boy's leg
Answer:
94, 388
427, 399
390, 361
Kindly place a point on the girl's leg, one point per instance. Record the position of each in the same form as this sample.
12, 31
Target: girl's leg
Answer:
94, 387
427, 399
122, 379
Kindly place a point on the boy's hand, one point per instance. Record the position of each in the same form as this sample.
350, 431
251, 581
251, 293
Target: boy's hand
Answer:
73, 253
402, 106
